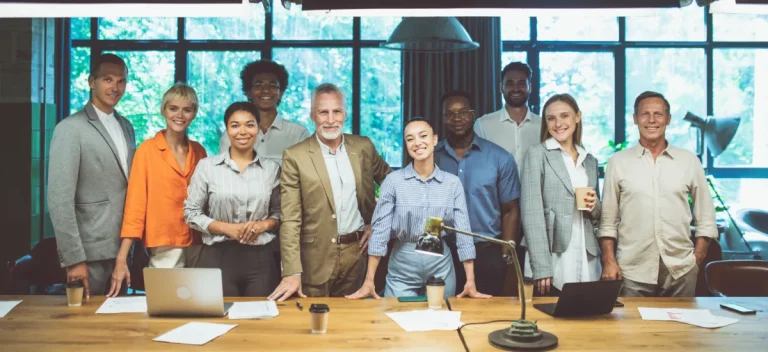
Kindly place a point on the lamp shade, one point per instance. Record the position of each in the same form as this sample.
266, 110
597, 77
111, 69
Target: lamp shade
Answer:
430, 35
430, 244
718, 131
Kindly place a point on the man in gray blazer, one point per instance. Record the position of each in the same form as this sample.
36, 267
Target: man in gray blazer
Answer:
91, 154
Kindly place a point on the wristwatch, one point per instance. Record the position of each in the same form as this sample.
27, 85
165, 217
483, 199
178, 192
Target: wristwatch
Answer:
508, 259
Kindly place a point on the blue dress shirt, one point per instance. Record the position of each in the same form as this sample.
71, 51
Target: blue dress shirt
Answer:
490, 178
405, 203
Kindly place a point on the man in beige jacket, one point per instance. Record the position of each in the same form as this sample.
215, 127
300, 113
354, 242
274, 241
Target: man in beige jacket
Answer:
327, 204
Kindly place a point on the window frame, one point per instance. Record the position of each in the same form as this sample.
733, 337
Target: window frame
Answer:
534, 47
182, 46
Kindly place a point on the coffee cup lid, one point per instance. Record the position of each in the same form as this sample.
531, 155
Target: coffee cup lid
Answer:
319, 308
435, 281
75, 284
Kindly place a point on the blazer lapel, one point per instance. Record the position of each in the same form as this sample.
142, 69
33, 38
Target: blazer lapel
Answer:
129, 146
354, 158
318, 161
93, 119
555, 160
590, 164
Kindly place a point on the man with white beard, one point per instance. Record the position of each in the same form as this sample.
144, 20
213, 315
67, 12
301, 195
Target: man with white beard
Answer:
327, 204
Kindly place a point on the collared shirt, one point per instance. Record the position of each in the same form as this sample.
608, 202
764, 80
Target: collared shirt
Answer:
219, 191
405, 203
499, 128
157, 188
645, 207
115, 131
490, 178
575, 171
348, 217
282, 135
574, 264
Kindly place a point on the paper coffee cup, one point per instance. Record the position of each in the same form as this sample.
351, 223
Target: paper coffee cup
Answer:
319, 318
528, 290
75, 291
435, 292
581, 193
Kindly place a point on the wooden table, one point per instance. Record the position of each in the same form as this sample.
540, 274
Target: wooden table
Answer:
624, 329
46, 323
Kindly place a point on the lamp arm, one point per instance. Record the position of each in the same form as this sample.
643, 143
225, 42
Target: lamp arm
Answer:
733, 221
512, 246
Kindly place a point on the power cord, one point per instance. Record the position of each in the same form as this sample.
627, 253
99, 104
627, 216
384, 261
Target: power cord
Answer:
461, 336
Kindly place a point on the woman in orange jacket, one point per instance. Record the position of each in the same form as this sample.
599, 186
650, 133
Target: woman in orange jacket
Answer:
154, 204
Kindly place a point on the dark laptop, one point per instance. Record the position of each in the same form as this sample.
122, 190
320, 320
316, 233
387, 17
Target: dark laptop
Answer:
584, 298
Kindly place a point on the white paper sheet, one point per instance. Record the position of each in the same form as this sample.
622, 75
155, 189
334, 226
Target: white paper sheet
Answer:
123, 305
697, 317
427, 320
7, 306
195, 333
253, 310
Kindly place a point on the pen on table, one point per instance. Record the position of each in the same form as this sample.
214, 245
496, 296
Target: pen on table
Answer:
298, 305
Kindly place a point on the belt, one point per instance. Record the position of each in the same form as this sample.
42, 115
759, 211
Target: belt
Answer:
351, 237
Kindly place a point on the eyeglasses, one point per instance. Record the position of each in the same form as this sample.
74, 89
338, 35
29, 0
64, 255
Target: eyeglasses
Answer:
265, 86
464, 114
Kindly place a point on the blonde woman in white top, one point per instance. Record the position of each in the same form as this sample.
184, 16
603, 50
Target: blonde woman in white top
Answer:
560, 238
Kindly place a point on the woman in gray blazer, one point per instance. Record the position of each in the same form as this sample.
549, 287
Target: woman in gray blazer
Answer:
560, 238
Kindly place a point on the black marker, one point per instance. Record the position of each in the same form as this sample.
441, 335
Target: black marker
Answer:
298, 305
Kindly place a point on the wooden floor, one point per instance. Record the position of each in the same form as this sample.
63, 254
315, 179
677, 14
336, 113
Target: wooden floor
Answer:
45, 323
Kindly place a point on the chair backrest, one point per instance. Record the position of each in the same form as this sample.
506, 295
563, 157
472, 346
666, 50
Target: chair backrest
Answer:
714, 253
738, 278
46, 269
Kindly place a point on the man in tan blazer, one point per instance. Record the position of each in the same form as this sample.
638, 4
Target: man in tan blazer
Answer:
327, 197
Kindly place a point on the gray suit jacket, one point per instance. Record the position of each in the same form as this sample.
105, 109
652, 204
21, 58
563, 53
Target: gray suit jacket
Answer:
547, 205
86, 187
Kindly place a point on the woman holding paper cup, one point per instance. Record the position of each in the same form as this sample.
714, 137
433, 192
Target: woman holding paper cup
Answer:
560, 205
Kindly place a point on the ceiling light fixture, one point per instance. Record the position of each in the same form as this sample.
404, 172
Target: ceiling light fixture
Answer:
487, 8
430, 35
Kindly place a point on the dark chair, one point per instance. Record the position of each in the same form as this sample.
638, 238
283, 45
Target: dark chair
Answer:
738, 278
714, 253
40, 268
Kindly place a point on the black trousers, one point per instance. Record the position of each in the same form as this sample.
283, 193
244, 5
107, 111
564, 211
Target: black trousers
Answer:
246, 270
490, 267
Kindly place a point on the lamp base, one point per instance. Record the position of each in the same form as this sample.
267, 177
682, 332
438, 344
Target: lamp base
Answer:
523, 335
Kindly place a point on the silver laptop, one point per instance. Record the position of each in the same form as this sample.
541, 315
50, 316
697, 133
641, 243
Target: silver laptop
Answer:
184, 292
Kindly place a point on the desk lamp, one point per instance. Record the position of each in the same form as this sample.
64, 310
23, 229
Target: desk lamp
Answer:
523, 334
717, 132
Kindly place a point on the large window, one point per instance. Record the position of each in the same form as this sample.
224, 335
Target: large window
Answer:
710, 65
209, 53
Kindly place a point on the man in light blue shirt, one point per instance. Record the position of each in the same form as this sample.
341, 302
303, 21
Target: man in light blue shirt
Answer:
491, 184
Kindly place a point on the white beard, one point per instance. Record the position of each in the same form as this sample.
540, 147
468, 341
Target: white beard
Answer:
330, 136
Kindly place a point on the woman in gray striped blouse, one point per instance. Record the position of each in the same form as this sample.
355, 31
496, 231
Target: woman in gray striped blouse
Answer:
233, 199
408, 197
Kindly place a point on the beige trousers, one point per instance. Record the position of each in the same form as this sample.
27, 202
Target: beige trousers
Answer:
667, 286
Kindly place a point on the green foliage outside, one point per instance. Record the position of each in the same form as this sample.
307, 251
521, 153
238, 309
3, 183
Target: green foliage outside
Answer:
679, 73
216, 74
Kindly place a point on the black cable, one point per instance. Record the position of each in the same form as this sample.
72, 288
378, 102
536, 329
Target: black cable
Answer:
461, 336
